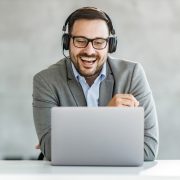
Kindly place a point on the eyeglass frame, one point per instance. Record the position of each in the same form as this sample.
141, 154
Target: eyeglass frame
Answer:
90, 40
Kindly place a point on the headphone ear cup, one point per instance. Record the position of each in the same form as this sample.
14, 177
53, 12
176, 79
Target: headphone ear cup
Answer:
112, 44
65, 41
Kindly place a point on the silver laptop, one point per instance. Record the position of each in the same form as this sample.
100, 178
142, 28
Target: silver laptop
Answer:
104, 136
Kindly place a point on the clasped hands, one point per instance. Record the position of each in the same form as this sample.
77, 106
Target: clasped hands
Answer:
123, 100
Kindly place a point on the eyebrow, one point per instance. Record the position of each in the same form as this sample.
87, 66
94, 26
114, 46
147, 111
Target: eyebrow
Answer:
90, 38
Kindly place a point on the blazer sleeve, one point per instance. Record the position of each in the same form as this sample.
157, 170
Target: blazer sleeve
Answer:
140, 89
44, 99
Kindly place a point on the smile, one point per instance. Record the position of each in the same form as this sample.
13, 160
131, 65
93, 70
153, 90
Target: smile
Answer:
87, 61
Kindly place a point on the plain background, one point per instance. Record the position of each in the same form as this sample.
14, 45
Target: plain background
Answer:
30, 40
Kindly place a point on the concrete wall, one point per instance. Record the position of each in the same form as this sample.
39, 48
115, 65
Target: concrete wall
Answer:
30, 40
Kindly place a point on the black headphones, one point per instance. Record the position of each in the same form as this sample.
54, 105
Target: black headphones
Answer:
112, 40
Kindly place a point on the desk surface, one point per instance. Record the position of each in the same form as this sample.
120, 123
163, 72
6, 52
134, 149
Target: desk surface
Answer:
162, 169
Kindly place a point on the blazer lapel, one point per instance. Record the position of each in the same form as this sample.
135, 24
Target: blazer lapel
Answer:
106, 88
75, 87
105, 92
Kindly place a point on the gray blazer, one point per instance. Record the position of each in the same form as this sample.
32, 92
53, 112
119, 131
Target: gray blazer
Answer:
57, 86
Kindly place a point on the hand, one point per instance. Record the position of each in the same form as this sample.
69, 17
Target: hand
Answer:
37, 146
123, 100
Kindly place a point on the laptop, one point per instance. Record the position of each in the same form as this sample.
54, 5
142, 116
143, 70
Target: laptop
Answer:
97, 136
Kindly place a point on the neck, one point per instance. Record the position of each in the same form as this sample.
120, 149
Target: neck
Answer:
90, 80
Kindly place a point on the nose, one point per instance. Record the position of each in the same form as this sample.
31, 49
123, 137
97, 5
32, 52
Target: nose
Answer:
89, 49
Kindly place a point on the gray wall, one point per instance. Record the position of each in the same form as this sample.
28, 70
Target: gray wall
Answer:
30, 34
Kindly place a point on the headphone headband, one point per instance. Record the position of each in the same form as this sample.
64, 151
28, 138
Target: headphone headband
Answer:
104, 15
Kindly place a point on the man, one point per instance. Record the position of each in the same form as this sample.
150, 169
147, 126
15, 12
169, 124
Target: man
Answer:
90, 77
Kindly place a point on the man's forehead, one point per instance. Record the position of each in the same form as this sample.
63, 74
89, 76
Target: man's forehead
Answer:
98, 27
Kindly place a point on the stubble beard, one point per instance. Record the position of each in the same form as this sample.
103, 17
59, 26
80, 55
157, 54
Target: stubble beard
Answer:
81, 71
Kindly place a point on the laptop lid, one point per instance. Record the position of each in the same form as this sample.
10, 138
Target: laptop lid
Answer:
107, 136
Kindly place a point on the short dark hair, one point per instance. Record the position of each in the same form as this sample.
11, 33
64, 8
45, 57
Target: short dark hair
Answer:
89, 13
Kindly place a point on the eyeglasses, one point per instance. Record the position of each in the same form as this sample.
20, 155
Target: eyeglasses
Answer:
82, 42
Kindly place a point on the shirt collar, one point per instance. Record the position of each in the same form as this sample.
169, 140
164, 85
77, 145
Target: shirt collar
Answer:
102, 74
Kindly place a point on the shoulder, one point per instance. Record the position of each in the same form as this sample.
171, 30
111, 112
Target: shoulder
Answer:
52, 72
119, 65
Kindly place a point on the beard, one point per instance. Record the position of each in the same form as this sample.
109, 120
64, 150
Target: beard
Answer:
88, 71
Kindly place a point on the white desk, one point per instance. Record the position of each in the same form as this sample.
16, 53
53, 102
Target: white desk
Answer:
42, 170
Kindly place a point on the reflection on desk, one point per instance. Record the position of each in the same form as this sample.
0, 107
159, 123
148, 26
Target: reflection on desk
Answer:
162, 169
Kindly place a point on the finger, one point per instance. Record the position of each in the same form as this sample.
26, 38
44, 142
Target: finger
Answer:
125, 96
128, 97
137, 104
125, 102
135, 101
37, 146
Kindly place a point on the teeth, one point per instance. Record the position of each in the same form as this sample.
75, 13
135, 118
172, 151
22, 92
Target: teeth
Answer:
84, 58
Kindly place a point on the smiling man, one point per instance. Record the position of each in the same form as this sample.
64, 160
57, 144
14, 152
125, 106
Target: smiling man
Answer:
89, 58
90, 77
